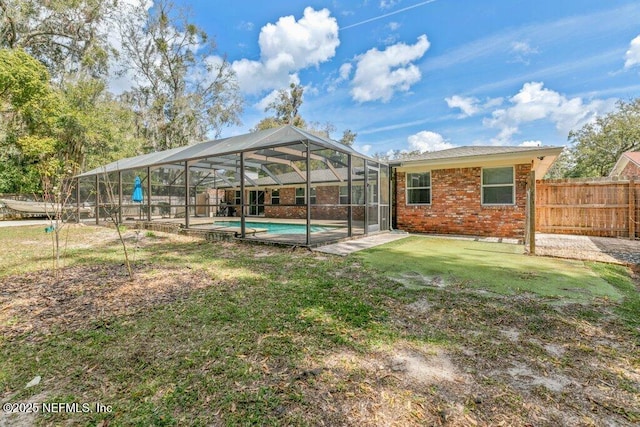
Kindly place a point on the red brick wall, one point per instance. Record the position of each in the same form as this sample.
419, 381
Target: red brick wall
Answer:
325, 195
456, 206
631, 170
287, 197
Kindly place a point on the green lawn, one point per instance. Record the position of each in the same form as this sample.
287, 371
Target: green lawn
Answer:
496, 267
215, 333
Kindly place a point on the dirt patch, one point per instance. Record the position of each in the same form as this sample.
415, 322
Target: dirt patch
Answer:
554, 349
523, 359
523, 376
421, 306
33, 302
414, 280
388, 387
22, 418
511, 334
425, 369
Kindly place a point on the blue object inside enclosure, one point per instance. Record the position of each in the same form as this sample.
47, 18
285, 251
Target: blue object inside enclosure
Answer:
137, 191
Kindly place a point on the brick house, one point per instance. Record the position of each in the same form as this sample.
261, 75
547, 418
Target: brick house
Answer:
467, 190
628, 165
294, 176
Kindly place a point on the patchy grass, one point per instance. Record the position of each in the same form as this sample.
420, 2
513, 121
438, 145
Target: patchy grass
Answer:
618, 277
495, 267
31, 249
228, 334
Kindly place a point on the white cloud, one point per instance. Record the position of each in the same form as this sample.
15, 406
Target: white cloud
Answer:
273, 95
388, 4
633, 54
531, 144
345, 71
522, 51
493, 102
245, 26
522, 48
287, 47
266, 100
364, 149
393, 25
534, 102
389, 39
428, 141
343, 75
468, 105
379, 74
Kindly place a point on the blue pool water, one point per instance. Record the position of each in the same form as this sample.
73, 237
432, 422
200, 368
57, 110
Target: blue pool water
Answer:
276, 228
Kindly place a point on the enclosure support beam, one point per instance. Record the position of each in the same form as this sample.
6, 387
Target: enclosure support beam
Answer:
225, 180
186, 194
349, 197
242, 201
308, 194
271, 175
276, 160
149, 194
202, 180
119, 197
78, 200
97, 199
302, 154
366, 197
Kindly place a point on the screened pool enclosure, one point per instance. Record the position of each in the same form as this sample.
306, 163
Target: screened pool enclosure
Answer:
283, 185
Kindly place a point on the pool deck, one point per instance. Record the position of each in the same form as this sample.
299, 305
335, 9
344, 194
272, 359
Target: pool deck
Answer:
207, 225
347, 247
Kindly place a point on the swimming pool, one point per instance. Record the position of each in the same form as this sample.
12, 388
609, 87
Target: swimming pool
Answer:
276, 228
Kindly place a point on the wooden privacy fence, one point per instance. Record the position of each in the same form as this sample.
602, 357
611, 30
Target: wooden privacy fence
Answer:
605, 207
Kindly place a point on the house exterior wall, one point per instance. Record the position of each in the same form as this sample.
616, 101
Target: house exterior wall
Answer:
456, 205
287, 208
287, 197
631, 170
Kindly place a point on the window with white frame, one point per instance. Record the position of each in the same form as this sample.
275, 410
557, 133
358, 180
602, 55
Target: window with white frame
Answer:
312, 195
275, 197
498, 186
419, 188
344, 195
238, 198
300, 196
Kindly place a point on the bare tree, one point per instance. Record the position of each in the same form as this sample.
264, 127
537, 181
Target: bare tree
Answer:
183, 92
57, 192
114, 210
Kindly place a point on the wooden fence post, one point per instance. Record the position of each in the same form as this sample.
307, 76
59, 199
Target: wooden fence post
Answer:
632, 209
532, 213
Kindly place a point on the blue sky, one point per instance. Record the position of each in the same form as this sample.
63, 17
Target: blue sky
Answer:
408, 74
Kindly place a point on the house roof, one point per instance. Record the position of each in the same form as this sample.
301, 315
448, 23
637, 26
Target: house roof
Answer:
633, 156
471, 151
623, 161
285, 136
542, 157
